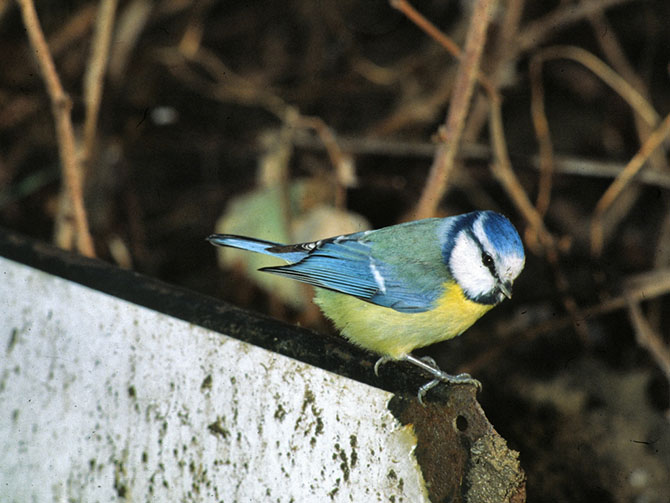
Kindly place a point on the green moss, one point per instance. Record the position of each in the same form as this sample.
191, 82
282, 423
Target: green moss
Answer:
216, 428
206, 383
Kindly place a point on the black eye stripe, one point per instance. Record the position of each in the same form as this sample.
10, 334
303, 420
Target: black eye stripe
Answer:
487, 260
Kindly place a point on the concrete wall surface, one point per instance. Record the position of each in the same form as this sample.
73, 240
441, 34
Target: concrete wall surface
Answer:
104, 400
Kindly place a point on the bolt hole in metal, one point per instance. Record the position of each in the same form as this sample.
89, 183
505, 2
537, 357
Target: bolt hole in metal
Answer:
461, 423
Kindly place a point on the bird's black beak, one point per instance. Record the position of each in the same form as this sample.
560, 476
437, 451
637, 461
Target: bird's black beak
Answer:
505, 289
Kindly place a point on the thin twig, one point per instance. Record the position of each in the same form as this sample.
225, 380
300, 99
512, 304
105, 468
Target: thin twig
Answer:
429, 28
340, 161
541, 125
73, 30
625, 177
191, 39
563, 165
95, 74
613, 51
131, 22
642, 287
503, 172
444, 158
602, 169
498, 63
636, 101
607, 40
558, 19
61, 107
441, 38
466, 78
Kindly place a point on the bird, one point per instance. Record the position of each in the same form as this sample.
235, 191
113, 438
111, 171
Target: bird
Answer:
406, 286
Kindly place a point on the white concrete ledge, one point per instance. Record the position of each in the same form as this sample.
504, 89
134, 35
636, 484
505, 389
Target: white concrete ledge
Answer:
105, 400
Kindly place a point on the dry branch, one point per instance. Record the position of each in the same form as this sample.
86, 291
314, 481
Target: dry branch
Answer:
502, 170
61, 107
443, 164
623, 180
636, 101
538, 31
95, 74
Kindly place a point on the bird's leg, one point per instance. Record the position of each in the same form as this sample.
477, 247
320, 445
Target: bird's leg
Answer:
428, 364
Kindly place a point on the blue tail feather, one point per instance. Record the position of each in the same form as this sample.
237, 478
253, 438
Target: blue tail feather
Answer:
255, 245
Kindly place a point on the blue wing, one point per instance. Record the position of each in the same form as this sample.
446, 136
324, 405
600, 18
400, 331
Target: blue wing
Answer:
348, 265
399, 267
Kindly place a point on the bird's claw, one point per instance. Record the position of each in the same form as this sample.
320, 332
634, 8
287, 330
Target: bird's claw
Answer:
380, 362
425, 388
429, 365
459, 379
464, 379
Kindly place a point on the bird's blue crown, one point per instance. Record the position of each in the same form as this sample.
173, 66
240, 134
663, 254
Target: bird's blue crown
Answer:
500, 232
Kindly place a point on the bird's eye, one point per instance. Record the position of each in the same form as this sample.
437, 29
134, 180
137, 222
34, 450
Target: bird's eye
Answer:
487, 260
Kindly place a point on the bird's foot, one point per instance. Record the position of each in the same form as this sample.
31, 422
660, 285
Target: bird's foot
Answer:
428, 364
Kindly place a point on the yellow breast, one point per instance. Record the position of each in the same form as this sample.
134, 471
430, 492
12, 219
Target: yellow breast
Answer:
392, 333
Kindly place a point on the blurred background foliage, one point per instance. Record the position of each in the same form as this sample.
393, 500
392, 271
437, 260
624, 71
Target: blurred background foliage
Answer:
297, 120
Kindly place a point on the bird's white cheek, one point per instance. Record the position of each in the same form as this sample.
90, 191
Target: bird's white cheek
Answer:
469, 272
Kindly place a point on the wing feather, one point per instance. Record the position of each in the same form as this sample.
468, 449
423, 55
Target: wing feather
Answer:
348, 266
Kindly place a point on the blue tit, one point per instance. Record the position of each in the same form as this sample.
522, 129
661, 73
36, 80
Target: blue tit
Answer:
406, 286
